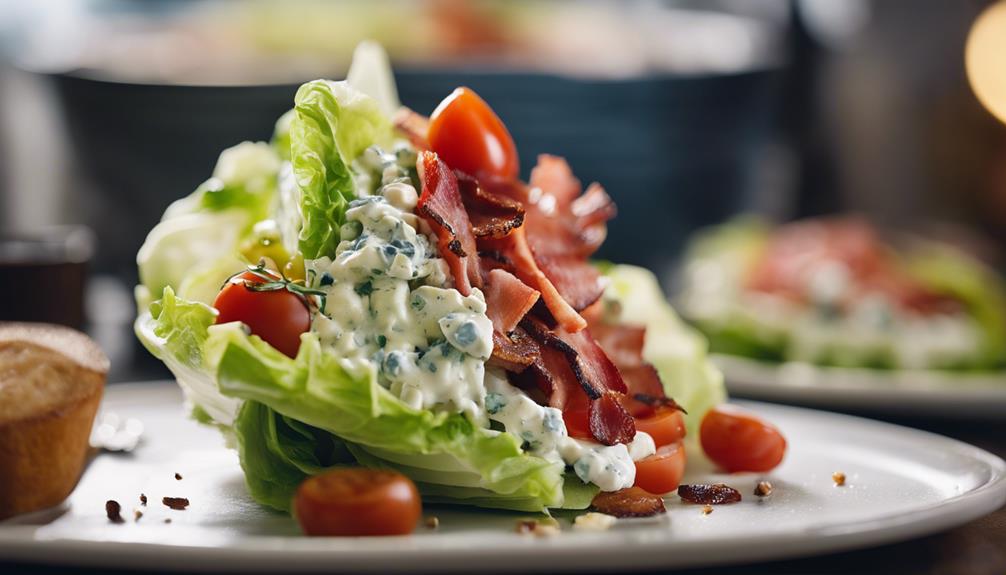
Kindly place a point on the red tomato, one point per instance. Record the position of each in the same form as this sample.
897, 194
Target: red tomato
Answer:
661, 472
737, 440
356, 501
277, 316
665, 426
466, 133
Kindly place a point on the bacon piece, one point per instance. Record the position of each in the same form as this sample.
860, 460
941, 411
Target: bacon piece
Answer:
515, 248
507, 300
553, 176
623, 343
704, 494
560, 221
440, 206
414, 126
515, 351
629, 502
594, 378
577, 282
492, 215
645, 389
610, 422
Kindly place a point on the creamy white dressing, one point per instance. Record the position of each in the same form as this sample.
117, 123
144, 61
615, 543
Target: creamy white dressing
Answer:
544, 434
390, 306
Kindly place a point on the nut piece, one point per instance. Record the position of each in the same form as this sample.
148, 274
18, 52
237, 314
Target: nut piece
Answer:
594, 521
763, 489
432, 522
839, 478
707, 509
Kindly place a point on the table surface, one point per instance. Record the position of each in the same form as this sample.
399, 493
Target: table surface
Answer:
977, 548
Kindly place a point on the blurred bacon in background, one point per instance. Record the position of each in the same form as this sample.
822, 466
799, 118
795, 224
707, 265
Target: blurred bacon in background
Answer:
688, 112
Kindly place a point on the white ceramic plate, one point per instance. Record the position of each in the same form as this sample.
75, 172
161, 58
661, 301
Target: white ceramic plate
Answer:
919, 392
901, 483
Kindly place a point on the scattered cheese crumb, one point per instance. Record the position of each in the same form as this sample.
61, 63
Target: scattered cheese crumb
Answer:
432, 522
536, 528
594, 522
763, 489
839, 478
707, 509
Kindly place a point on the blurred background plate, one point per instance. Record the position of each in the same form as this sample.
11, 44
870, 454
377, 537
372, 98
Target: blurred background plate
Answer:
903, 392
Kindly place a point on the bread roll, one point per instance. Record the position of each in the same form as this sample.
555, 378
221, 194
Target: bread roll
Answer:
51, 382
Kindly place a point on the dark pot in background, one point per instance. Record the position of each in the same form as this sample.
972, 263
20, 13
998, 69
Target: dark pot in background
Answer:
675, 152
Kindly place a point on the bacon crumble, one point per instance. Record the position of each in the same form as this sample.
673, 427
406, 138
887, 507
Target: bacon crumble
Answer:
715, 494
176, 503
114, 511
629, 502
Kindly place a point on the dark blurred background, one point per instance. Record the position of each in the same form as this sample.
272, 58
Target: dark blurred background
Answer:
687, 112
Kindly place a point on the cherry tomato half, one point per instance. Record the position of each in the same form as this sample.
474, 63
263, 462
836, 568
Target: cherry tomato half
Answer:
466, 133
665, 426
277, 316
661, 472
357, 501
738, 440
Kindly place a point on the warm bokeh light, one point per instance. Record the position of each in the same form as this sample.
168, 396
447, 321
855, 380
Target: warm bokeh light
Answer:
985, 58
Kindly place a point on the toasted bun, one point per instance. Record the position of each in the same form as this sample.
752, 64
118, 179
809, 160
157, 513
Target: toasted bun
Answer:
51, 382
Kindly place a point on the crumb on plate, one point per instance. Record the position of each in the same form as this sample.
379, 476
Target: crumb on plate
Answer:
763, 489
839, 478
593, 521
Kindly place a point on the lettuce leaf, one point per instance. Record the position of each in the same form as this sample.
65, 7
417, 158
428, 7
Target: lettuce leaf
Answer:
980, 289
318, 389
278, 453
332, 125
195, 246
175, 331
677, 351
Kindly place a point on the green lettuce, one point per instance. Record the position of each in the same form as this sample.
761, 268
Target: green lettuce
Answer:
677, 351
332, 124
195, 247
980, 289
278, 453
175, 331
316, 388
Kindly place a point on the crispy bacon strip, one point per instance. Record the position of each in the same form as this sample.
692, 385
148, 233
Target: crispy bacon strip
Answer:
630, 502
515, 248
440, 205
507, 299
507, 302
492, 215
414, 126
610, 422
514, 351
578, 282
623, 343
574, 371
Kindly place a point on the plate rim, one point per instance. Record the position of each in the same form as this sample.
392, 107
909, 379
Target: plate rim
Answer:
925, 392
17, 542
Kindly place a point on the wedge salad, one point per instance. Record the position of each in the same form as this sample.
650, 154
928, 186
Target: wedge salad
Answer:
835, 292
395, 297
